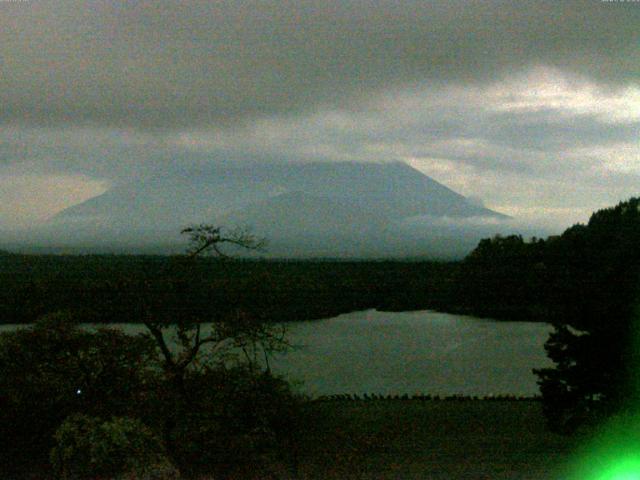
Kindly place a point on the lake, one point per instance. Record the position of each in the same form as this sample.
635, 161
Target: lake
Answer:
411, 352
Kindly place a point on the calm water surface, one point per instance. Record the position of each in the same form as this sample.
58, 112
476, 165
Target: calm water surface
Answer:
411, 352
415, 352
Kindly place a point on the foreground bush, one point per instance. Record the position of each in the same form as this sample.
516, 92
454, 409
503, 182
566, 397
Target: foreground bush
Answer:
54, 369
123, 448
237, 423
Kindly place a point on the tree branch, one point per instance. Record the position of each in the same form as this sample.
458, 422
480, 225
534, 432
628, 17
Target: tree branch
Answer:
204, 238
160, 341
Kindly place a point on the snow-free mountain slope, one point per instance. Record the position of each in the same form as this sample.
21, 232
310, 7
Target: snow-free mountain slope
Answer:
288, 203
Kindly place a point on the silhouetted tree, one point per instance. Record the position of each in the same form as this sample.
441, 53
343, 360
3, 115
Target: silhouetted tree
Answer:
194, 415
233, 331
595, 271
585, 283
205, 239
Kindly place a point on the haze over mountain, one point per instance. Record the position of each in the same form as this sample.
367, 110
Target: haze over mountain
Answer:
344, 209
533, 107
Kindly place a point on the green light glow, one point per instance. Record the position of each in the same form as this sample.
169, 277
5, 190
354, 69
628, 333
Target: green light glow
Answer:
612, 454
624, 469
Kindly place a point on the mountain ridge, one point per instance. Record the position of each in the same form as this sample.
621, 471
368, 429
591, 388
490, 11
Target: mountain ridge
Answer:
298, 205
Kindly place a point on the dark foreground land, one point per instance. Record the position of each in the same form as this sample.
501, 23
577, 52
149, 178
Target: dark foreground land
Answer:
432, 439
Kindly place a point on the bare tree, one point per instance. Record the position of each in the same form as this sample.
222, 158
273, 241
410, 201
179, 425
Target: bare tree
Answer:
238, 332
210, 239
203, 346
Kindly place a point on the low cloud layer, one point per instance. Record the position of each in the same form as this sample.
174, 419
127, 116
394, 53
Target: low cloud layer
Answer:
534, 107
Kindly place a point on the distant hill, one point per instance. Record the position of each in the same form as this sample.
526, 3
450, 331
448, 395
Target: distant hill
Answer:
315, 209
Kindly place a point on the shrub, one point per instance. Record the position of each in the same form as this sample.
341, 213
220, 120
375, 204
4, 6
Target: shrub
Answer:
88, 448
54, 369
237, 421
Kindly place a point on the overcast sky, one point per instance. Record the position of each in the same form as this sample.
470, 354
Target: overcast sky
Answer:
531, 106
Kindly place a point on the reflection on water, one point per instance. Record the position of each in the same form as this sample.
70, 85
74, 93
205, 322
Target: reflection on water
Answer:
410, 352
415, 352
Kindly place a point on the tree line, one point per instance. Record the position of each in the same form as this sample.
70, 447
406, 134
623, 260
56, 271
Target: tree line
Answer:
106, 288
584, 282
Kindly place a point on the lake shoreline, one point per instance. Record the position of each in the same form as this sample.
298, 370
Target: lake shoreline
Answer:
420, 352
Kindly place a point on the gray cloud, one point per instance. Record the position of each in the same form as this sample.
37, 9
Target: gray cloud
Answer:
551, 130
532, 106
467, 130
166, 64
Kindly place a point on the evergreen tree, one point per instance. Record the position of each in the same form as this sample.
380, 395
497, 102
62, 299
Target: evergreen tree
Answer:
593, 294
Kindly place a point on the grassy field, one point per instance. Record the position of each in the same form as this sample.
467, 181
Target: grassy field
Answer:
382, 439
